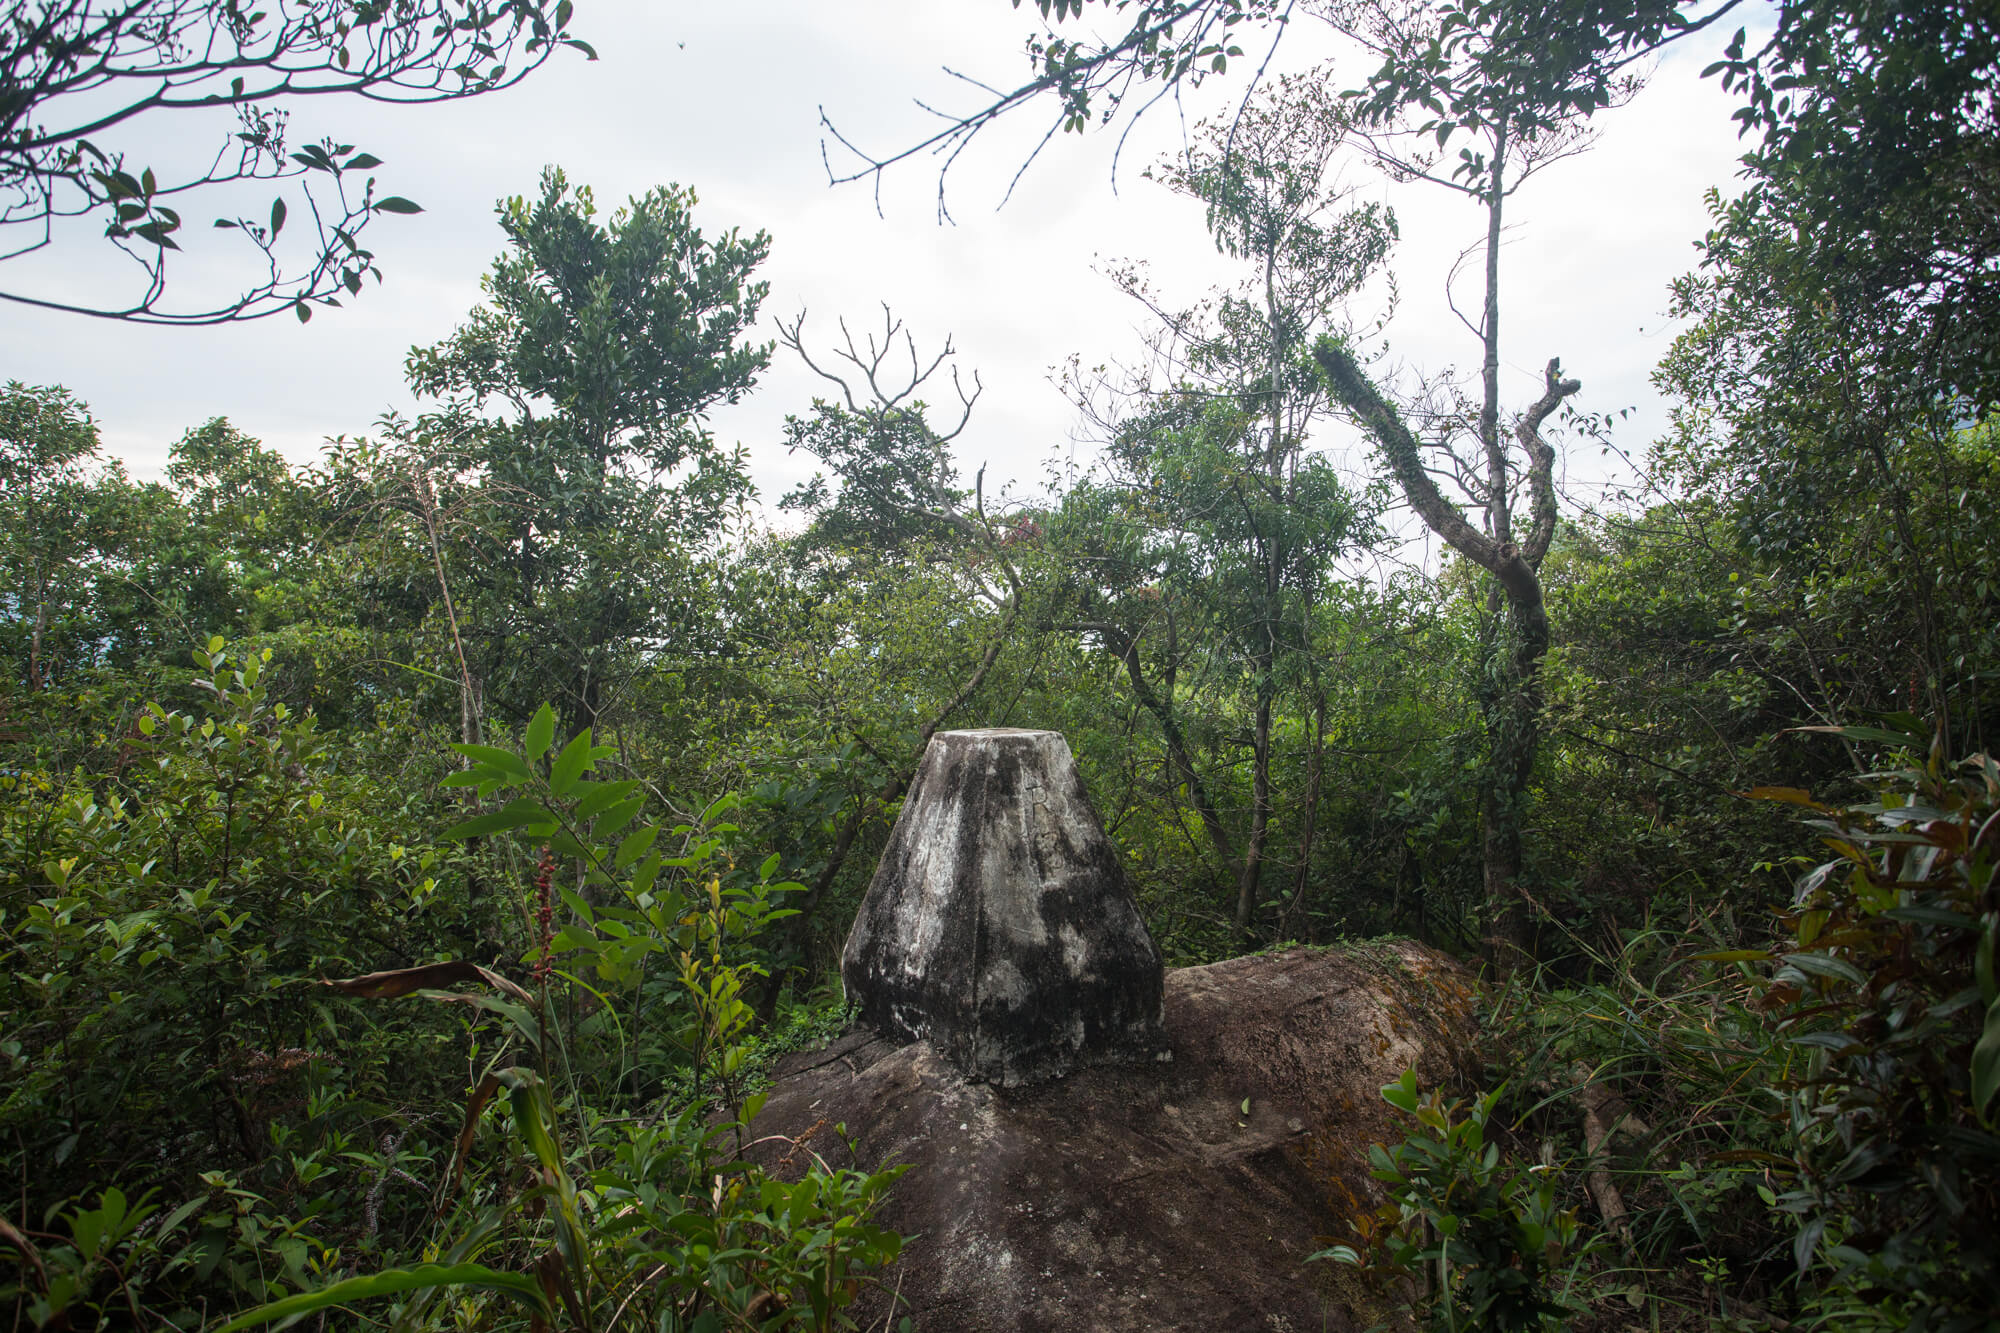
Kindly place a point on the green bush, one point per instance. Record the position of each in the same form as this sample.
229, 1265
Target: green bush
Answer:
1495, 1251
1884, 996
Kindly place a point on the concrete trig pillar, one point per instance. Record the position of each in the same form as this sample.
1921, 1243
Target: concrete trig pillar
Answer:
999, 926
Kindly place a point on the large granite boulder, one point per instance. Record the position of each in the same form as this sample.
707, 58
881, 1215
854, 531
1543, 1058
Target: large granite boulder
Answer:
1156, 1196
999, 926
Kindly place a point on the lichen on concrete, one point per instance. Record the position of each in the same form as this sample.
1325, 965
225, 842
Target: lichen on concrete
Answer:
999, 926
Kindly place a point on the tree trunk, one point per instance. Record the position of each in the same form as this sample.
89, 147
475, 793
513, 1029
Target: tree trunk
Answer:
35, 681
1125, 648
1315, 774
1260, 814
1513, 719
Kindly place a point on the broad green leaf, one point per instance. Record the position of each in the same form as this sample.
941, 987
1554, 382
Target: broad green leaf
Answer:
1931, 916
476, 1276
1402, 1094
1879, 734
636, 846
570, 764
1826, 965
540, 734
601, 797
617, 817
521, 812
505, 760
518, 1017
1986, 1062
524, 1091
1807, 1242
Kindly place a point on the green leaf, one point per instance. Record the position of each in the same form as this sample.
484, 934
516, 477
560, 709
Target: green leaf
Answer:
395, 203
524, 1090
540, 734
518, 813
505, 760
519, 1017
618, 817
569, 765
1905, 738
1931, 916
636, 846
602, 797
1826, 965
423, 1276
1986, 1061
1807, 1242
1402, 1094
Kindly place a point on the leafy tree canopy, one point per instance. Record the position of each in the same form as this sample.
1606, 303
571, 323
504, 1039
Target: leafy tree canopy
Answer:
79, 77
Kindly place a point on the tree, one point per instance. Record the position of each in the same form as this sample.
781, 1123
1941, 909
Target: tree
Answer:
1844, 315
1868, 214
1512, 82
1514, 110
602, 345
898, 497
1578, 47
77, 75
1215, 512
46, 439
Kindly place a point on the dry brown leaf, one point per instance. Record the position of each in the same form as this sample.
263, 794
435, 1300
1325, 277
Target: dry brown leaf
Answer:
429, 976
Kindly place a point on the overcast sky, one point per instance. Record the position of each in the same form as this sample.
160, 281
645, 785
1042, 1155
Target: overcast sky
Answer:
725, 98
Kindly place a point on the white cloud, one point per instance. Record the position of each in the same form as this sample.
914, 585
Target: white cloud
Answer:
725, 98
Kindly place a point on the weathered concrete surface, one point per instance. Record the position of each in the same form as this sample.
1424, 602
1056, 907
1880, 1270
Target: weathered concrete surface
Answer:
999, 926
1142, 1196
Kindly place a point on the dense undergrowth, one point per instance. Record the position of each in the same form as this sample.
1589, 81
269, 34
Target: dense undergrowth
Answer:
411, 954
467, 1035
1799, 1135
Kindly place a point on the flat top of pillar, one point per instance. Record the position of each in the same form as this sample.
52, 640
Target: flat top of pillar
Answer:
982, 733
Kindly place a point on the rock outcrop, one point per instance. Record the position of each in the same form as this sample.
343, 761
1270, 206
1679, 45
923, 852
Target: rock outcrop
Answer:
999, 927
1156, 1196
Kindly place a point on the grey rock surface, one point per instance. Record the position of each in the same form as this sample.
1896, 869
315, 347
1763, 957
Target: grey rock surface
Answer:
1178, 1198
999, 926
